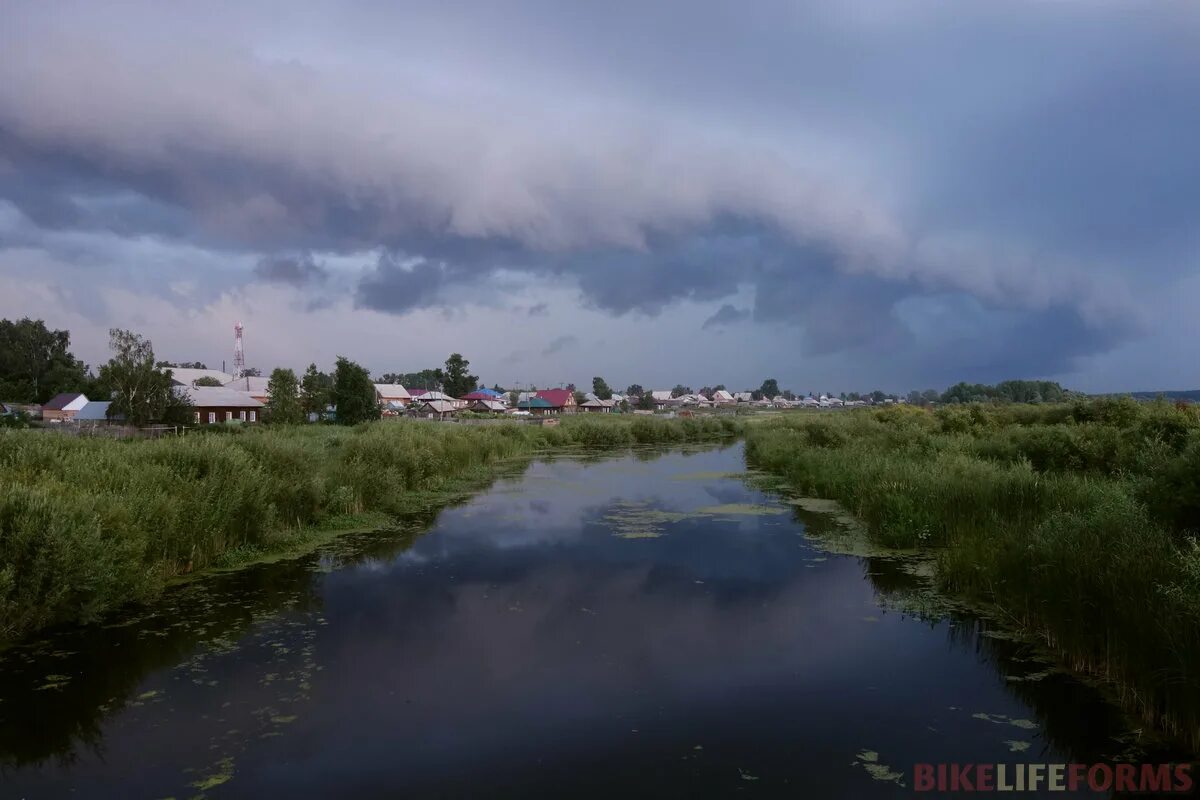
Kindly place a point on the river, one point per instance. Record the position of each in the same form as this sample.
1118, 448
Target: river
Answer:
632, 625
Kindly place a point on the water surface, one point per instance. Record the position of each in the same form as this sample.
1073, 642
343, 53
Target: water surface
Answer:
636, 625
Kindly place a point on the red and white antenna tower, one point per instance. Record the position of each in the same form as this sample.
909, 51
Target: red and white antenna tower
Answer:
239, 356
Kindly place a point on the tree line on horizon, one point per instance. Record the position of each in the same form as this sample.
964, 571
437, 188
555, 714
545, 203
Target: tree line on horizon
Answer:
36, 364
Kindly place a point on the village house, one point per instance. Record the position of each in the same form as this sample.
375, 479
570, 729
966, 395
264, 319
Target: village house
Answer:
486, 396
392, 397
63, 407
31, 410
538, 406
253, 385
594, 405
562, 401
434, 406
722, 397
489, 406
217, 404
743, 397
430, 395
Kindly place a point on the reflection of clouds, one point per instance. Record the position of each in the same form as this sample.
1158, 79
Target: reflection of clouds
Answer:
556, 499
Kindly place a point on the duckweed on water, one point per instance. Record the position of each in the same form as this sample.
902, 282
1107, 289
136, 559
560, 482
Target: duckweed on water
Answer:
741, 510
1001, 719
869, 761
222, 772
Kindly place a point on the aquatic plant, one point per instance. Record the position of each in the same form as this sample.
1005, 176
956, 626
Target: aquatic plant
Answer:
1076, 522
87, 524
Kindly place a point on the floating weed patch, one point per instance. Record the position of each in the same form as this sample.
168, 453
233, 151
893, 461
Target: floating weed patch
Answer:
1017, 745
1032, 676
742, 510
1001, 719
640, 521
706, 476
222, 772
869, 761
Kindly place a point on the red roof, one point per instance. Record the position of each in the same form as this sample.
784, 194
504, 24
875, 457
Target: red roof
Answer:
416, 392
478, 396
557, 398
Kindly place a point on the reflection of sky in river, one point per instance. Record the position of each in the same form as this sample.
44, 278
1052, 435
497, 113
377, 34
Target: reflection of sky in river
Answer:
521, 648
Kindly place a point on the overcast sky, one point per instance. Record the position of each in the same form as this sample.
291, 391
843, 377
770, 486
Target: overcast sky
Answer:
843, 195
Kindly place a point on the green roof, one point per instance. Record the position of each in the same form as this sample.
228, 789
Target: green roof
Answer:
535, 402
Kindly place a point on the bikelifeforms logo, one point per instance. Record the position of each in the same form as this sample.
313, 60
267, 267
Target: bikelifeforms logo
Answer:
1134, 778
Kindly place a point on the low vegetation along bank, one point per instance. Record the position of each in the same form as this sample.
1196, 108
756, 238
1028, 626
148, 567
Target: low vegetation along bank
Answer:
89, 524
1077, 522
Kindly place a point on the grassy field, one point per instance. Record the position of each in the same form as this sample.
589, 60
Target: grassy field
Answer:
1076, 523
89, 524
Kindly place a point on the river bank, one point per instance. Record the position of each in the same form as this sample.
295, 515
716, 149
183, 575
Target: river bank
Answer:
87, 525
1073, 522
605, 623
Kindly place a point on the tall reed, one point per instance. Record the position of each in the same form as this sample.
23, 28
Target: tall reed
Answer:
88, 524
1078, 523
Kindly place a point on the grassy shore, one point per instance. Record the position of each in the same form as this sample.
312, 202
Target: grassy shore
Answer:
89, 524
1076, 523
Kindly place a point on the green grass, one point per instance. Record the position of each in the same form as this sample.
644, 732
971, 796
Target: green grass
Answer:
89, 524
1076, 523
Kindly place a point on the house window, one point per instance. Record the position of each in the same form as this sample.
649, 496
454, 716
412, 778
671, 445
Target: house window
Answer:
197, 417
242, 415
254, 416
212, 417
228, 416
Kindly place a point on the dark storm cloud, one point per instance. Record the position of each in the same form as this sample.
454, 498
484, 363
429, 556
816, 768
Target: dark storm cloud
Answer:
851, 166
296, 270
726, 315
560, 343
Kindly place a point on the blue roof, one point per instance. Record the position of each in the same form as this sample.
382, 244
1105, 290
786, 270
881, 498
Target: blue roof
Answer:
94, 410
485, 390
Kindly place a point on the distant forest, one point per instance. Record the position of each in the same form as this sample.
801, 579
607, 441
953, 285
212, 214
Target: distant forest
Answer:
1192, 395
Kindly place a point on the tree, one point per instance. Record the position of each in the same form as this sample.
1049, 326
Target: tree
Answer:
600, 389
634, 390
207, 380
718, 387
35, 363
646, 401
580, 398
770, 388
457, 380
283, 405
181, 364
353, 393
142, 392
680, 390
425, 379
789, 395
251, 372
316, 390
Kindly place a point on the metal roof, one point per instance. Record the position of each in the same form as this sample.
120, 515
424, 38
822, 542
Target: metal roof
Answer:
251, 384
60, 401
217, 397
440, 406
392, 391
